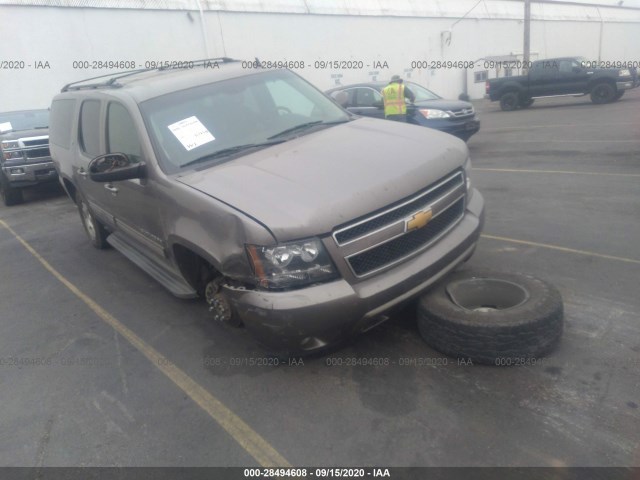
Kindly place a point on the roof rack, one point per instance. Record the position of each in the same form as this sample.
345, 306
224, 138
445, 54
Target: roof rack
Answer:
112, 81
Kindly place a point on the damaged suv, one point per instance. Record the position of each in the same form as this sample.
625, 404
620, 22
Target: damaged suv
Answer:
254, 190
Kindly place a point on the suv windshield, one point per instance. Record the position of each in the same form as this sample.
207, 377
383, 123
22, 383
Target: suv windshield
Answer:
25, 120
422, 93
212, 122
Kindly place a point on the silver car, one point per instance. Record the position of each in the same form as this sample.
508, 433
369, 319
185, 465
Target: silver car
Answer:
252, 189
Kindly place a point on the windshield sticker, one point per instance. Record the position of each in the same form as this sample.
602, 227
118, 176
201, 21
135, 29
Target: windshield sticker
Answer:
191, 133
5, 127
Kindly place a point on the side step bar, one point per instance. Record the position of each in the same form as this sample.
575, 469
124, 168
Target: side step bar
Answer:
162, 274
563, 95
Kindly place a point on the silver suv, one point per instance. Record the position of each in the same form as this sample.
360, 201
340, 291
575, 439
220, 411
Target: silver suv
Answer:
254, 190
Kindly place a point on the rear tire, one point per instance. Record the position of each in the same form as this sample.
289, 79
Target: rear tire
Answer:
95, 230
509, 101
10, 195
603, 93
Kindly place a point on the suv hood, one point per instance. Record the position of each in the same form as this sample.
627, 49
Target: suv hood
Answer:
309, 185
16, 134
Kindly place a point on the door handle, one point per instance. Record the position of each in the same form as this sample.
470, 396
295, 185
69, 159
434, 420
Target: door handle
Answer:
111, 188
82, 172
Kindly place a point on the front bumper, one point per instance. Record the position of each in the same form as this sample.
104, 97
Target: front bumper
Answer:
628, 84
312, 318
24, 175
463, 130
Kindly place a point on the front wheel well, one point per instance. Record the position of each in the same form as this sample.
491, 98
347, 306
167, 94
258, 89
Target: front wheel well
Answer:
70, 189
195, 269
598, 81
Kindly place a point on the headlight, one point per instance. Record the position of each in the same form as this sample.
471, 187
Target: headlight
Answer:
15, 154
430, 113
624, 73
291, 265
467, 175
10, 144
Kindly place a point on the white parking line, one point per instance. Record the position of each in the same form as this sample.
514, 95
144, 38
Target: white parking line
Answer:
256, 446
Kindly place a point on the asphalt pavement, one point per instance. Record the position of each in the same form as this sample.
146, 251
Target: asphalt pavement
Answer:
103, 367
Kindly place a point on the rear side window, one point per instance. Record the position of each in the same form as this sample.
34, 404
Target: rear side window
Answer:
367, 97
90, 127
121, 133
345, 98
286, 96
60, 122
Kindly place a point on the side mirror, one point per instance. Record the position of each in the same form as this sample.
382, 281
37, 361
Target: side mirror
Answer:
379, 104
114, 167
576, 69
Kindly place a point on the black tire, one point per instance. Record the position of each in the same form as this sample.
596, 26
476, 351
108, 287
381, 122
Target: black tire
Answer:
95, 230
10, 196
526, 102
603, 92
509, 101
619, 95
489, 329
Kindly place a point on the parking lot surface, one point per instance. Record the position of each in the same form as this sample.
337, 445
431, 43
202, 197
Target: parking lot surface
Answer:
103, 367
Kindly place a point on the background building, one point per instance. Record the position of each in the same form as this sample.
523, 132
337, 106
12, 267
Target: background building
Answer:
46, 44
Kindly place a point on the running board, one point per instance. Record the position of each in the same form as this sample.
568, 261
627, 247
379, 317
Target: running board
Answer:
563, 95
159, 272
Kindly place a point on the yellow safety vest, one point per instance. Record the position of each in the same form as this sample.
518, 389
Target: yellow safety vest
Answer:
393, 96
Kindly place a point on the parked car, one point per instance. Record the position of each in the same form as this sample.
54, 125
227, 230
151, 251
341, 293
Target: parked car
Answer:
24, 153
254, 190
428, 110
568, 76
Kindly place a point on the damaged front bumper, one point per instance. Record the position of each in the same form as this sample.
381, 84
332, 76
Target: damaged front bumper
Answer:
312, 318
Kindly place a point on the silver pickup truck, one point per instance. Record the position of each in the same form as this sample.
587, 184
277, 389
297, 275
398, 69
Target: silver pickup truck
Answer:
24, 153
252, 189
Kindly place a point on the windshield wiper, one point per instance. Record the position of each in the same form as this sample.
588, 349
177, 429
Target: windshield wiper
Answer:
229, 151
304, 126
38, 128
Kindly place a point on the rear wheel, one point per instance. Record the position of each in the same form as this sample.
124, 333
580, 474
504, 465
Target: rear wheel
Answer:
509, 101
603, 93
10, 195
95, 230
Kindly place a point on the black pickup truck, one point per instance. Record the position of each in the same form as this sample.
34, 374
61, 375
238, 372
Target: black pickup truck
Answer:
567, 76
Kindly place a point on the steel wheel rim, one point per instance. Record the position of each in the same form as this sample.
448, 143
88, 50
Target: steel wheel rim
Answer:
486, 294
601, 92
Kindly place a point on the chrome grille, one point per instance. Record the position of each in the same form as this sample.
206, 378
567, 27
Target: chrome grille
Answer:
36, 142
38, 152
399, 248
465, 112
382, 239
388, 216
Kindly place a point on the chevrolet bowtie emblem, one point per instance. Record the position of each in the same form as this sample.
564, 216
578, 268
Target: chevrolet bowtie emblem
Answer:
418, 220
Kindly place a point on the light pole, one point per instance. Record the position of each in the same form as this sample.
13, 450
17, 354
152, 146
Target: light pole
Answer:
527, 35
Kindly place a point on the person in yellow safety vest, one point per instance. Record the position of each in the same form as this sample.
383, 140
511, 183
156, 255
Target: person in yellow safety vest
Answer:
393, 95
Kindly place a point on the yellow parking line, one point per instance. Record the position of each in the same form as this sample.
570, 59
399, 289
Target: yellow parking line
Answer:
518, 170
250, 440
561, 249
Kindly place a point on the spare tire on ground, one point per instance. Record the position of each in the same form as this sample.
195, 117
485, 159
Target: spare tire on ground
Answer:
492, 317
